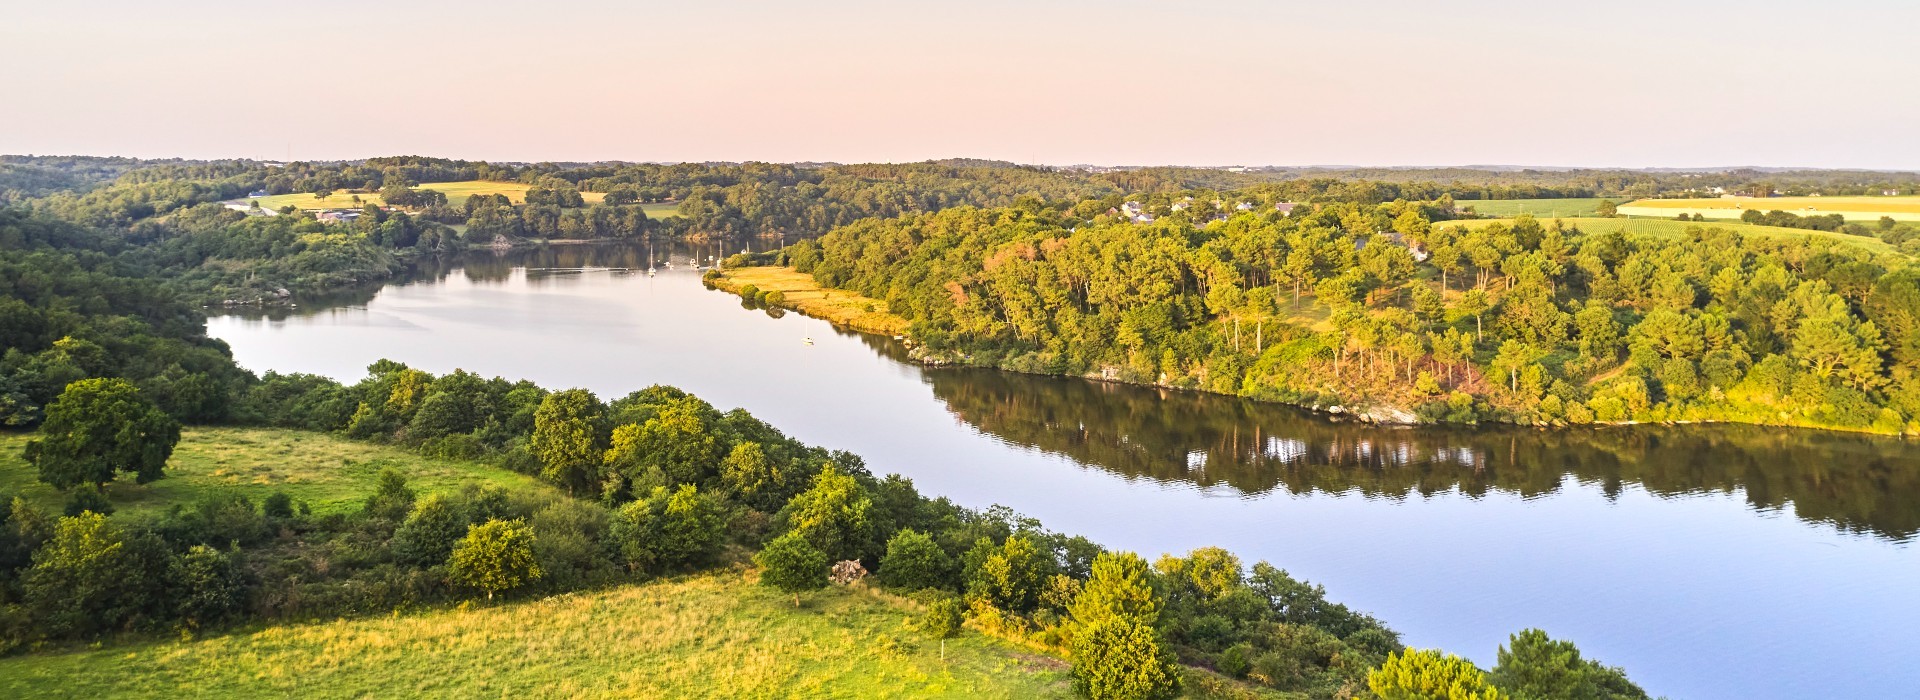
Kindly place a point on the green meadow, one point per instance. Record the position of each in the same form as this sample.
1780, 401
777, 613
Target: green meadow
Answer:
1543, 208
329, 473
1670, 228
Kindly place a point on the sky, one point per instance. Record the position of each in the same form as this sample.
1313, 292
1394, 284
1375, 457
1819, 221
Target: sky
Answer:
1629, 83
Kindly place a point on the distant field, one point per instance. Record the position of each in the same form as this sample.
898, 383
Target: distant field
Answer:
838, 306
332, 474
715, 635
1672, 228
660, 210
457, 194
1544, 208
1863, 209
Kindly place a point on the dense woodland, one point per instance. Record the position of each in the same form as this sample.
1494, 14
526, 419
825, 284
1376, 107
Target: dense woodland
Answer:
1379, 306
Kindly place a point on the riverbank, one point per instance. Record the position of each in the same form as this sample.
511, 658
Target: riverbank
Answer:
848, 309
799, 292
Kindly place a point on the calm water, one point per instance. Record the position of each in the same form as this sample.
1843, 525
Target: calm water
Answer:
1711, 562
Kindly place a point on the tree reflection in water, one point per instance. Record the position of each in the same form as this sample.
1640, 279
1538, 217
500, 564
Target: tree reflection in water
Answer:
1860, 484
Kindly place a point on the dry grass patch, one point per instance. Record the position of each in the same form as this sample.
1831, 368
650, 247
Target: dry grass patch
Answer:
838, 306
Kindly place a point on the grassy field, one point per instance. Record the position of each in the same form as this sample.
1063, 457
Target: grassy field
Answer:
1863, 209
661, 210
1673, 229
714, 635
842, 308
331, 474
1544, 208
457, 194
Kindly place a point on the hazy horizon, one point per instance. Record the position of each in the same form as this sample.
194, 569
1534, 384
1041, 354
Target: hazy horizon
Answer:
1706, 85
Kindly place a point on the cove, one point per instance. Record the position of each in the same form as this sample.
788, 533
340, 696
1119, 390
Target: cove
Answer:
1715, 561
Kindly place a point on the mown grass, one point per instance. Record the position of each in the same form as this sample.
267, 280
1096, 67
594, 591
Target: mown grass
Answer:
661, 210
329, 473
1861, 209
838, 306
456, 192
1669, 228
1544, 208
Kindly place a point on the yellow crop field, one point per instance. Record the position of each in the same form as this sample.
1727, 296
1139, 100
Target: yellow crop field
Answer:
456, 192
1865, 209
1668, 228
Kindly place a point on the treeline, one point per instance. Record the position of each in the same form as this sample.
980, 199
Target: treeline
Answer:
1375, 305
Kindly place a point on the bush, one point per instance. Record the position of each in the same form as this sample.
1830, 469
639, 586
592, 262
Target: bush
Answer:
914, 561
792, 564
943, 617
87, 498
1120, 658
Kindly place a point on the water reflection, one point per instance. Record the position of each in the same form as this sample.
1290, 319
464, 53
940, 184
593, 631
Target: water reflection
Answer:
541, 264
1858, 484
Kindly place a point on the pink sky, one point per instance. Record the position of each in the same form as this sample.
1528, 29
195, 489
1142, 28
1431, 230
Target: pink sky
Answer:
1827, 84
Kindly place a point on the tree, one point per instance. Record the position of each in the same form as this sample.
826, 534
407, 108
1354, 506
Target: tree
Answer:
1010, 577
391, 499
89, 577
914, 561
98, 427
1122, 659
567, 437
834, 515
757, 480
496, 555
210, 585
1607, 209
1427, 674
668, 529
1120, 587
792, 564
1533, 666
429, 534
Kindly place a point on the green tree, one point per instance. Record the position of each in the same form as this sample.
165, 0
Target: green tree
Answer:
756, 479
1533, 666
1607, 209
914, 561
1122, 659
209, 585
1120, 587
391, 498
1426, 674
1011, 576
835, 515
792, 564
98, 427
430, 532
495, 556
89, 577
567, 438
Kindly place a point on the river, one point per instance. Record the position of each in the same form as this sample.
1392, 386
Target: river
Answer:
1709, 561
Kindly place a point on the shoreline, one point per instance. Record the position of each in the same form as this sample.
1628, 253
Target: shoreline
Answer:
1385, 416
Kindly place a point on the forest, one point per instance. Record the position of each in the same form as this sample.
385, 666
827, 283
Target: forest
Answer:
1388, 311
